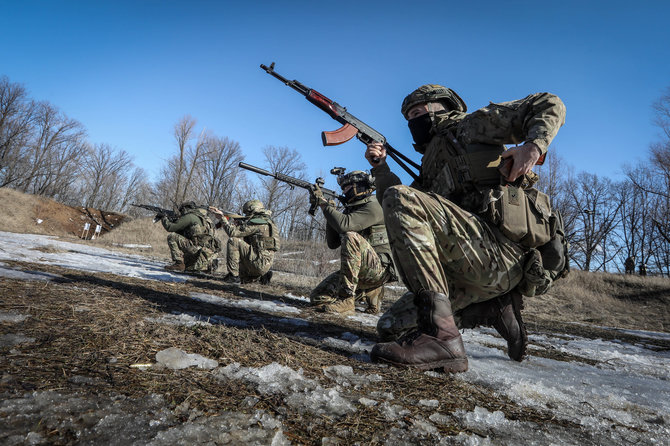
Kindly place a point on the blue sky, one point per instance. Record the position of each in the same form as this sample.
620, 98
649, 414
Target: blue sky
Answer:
129, 70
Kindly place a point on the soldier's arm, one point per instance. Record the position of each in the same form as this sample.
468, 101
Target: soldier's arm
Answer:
384, 177
534, 119
332, 237
238, 231
182, 223
364, 217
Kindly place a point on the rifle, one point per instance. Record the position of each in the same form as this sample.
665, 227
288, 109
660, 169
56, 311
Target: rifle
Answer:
327, 193
170, 214
351, 125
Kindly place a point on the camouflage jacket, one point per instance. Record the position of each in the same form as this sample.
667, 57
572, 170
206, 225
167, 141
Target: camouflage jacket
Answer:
182, 225
535, 118
364, 217
258, 230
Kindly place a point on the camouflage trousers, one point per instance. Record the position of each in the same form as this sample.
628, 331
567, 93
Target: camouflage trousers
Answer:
362, 274
437, 246
245, 261
195, 258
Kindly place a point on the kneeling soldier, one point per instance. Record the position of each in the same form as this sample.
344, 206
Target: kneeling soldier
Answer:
192, 241
251, 245
366, 262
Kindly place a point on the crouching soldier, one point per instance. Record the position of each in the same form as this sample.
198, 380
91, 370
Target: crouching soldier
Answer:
251, 244
192, 241
366, 263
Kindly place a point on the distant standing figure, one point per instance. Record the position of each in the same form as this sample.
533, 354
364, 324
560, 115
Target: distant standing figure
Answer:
629, 264
643, 269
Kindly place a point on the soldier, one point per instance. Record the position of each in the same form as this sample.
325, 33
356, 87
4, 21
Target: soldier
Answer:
365, 256
251, 244
450, 232
629, 264
192, 241
642, 268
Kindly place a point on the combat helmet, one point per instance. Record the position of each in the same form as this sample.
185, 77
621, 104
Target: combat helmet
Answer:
363, 184
186, 207
433, 93
252, 207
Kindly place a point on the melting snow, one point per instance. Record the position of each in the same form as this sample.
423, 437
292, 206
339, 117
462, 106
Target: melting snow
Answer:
623, 399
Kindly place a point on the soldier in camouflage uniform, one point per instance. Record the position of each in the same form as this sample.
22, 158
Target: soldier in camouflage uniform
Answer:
366, 263
457, 265
192, 241
251, 244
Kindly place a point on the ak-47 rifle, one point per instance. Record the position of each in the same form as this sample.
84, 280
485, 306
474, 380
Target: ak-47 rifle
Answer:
170, 214
351, 125
327, 193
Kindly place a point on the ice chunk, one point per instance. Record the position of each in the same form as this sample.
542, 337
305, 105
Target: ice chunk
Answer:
176, 359
12, 339
13, 317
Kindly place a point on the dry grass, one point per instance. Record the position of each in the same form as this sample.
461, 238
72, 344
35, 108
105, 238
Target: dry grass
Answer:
17, 212
31, 214
141, 231
616, 300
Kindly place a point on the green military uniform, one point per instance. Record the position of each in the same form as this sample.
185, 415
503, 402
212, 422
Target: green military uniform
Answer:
365, 261
192, 240
251, 245
439, 233
629, 264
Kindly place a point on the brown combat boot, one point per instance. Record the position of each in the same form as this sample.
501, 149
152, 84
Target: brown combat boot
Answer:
436, 344
340, 306
504, 314
178, 266
373, 300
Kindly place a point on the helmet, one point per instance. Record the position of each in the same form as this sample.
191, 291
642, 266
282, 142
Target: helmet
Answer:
433, 93
252, 207
363, 184
186, 206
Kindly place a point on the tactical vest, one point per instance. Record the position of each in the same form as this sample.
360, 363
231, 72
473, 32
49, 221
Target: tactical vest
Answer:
375, 234
203, 234
460, 174
469, 177
267, 238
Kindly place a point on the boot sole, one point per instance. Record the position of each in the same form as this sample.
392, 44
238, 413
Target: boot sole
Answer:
451, 366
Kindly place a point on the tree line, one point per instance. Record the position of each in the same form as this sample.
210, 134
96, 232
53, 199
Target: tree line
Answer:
44, 152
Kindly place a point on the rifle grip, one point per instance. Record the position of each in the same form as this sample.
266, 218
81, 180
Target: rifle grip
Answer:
339, 136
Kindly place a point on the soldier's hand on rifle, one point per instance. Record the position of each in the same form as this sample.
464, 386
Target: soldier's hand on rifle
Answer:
375, 154
523, 158
216, 211
316, 197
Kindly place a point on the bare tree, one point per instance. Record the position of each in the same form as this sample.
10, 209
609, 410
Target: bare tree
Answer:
287, 203
16, 128
105, 175
176, 183
596, 210
218, 171
53, 157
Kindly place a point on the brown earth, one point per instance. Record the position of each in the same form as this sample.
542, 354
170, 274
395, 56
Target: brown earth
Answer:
38, 215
